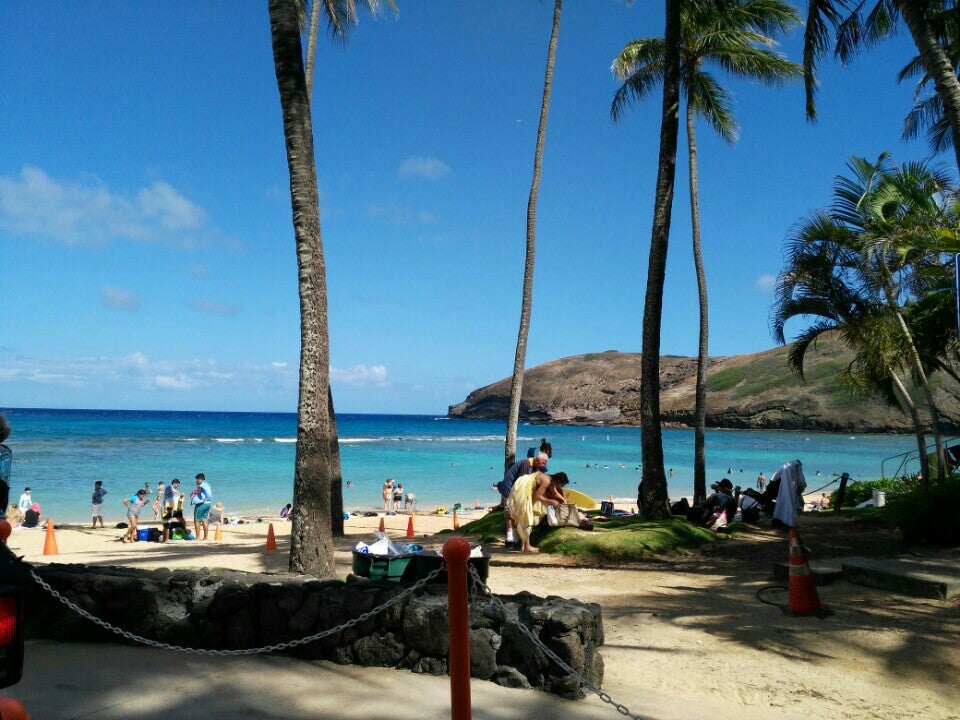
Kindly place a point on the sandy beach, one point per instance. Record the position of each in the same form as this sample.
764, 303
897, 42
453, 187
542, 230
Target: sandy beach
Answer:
684, 636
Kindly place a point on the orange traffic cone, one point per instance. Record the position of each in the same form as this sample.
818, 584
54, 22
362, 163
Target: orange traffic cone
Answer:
12, 709
382, 527
456, 521
218, 535
50, 542
271, 540
804, 599
410, 526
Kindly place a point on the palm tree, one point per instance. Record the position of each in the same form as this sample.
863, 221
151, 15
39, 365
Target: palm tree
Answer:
927, 114
516, 384
855, 267
855, 31
317, 456
341, 16
655, 502
733, 35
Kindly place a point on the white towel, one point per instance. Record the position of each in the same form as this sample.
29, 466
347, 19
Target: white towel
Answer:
790, 495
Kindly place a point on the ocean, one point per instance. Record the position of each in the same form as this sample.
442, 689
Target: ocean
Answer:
248, 458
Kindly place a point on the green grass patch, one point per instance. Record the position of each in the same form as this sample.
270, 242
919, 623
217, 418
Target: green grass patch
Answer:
622, 539
626, 539
726, 379
490, 527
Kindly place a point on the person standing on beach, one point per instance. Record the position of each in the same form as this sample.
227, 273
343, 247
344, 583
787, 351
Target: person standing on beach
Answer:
172, 504
397, 497
202, 500
517, 470
387, 494
25, 501
761, 482
98, 493
134, 504
158, 503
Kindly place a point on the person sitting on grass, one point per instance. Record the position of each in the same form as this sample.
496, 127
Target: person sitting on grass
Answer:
529, 499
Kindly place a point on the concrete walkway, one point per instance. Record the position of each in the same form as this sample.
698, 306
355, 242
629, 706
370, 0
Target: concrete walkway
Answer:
935, 576
69, 681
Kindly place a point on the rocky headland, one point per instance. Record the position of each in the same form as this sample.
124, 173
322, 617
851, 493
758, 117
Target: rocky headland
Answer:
755, 391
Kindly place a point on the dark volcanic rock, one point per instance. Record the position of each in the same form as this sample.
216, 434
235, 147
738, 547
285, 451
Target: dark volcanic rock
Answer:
757, 391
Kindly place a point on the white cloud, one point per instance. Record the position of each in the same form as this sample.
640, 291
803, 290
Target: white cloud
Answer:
361, 376
87, 212
398, 215
422, 168
170, 208
195, 269
177, 382
108, 375
208, 306
766, 283
118, 298
170, 381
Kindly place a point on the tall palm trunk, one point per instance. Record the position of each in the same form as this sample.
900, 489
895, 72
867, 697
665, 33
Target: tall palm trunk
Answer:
700, 402
916, 364
526, 305
936, 63
311, 542
312, 43
336, 481
907, 404
654, 480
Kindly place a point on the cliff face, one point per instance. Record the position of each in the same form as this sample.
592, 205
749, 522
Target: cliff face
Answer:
757, 391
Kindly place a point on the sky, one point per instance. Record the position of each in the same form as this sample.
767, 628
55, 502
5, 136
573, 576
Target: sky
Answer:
147, 256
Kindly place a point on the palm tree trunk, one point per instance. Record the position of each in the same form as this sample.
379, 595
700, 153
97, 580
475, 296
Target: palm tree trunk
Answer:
917, 365
312, 44
906, 402
654, 481
311, 542
700, 395
937, 65
336, 483
526, 305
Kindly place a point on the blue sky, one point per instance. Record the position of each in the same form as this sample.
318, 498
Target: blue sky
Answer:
145, 228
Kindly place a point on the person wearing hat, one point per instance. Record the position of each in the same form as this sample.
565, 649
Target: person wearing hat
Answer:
720, 505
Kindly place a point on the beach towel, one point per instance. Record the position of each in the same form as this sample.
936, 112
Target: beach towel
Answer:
790, 495
520, 505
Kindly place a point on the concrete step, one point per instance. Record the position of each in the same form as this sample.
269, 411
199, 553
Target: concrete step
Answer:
936, 577
823, 571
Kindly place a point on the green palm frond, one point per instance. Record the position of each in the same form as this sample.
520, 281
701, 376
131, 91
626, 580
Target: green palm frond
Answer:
713, 103
640, 66
821, 15
733, 35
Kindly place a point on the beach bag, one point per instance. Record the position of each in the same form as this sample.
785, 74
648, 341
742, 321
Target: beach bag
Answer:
154, 535
717, 520
606, 508
552, 519
567, 514
31, 518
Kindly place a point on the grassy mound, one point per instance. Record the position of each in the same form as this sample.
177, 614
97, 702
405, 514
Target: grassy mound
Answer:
621, 539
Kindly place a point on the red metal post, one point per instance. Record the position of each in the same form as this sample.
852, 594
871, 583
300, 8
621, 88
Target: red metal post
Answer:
456, 553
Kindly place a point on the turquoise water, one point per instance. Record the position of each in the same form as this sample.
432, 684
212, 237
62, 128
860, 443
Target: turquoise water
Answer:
248, 457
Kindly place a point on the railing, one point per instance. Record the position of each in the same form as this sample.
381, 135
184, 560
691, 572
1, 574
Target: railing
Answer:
905, 462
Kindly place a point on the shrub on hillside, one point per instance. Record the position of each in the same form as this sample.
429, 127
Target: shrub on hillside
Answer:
861, 491
928, 513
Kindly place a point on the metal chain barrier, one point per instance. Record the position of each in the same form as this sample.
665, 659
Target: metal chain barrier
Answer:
484, 590
244, 651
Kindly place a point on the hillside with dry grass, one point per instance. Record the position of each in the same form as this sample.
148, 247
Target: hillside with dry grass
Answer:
755, 391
